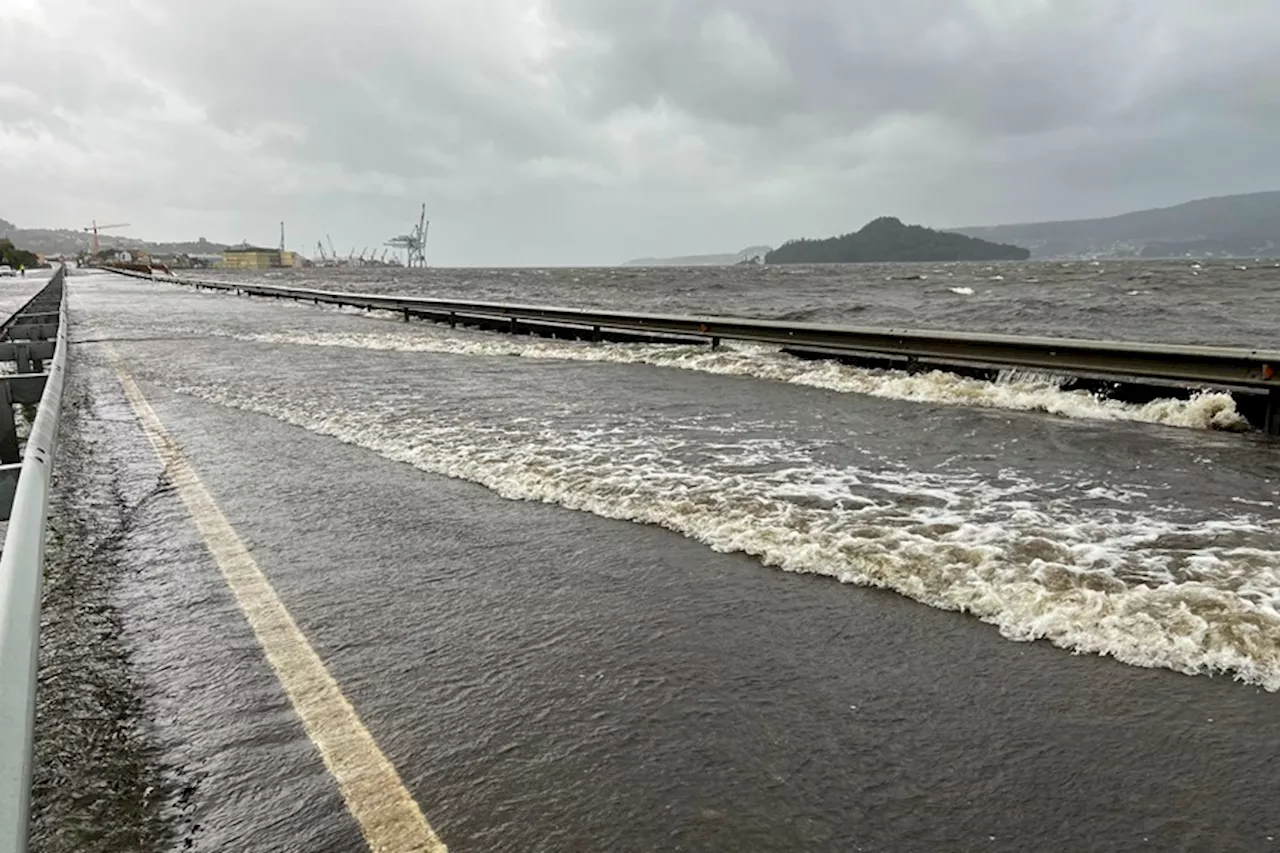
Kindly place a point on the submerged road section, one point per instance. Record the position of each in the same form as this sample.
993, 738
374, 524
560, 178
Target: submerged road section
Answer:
373, 792
554, 605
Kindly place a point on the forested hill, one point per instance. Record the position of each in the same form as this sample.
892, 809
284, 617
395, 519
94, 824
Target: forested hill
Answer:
1239, 226
888, 240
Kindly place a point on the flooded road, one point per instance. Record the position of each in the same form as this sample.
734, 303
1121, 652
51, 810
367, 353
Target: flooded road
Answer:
613, 599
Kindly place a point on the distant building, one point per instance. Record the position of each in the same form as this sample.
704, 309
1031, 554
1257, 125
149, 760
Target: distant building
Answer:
257, 258
250, 258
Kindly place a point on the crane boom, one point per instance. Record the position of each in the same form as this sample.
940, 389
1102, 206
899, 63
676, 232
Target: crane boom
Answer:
95, 228
415, 242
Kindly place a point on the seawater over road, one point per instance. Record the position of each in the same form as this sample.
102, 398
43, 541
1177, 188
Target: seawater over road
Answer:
672, 665
18, 290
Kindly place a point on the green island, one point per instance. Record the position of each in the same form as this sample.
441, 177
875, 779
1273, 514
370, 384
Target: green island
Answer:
887, 240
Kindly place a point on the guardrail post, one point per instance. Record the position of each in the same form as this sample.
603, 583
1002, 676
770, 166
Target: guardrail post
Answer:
22, 355
715, 343
453, 320
595, 334
9, 452
406, 315
1271, 420
514, 327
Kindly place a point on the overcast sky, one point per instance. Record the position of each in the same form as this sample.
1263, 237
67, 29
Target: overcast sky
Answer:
593, 131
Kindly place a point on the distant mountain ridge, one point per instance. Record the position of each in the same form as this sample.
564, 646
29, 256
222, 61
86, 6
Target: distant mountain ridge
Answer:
748, 254
888, 240
66, 241
1223, 226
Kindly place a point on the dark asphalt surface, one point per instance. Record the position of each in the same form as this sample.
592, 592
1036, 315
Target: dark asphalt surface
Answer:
546, 679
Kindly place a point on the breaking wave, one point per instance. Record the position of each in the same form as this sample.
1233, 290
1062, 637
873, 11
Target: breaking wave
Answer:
1198, 597
1018, 391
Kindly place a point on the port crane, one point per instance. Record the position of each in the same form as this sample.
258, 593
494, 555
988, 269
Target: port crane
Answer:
95, 228
415, 242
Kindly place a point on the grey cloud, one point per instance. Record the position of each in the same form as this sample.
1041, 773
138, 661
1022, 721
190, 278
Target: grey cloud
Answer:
594, 130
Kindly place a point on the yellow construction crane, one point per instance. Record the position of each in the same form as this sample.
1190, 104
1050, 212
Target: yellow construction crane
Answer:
95, 228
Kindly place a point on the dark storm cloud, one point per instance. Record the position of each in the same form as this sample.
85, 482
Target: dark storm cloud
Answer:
594, 130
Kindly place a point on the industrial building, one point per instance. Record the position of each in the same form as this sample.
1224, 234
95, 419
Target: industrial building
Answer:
257, 258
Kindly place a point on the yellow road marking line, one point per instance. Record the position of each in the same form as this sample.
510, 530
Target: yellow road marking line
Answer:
389, 817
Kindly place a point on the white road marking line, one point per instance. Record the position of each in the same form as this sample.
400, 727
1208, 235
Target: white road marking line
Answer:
389, 817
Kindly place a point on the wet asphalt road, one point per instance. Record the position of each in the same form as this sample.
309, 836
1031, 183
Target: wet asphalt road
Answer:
552, 680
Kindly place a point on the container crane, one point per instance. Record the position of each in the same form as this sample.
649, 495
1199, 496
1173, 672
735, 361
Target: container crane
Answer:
415, 242
95, 228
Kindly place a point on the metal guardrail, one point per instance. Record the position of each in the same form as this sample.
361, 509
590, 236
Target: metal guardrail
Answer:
1251, 372
24, 497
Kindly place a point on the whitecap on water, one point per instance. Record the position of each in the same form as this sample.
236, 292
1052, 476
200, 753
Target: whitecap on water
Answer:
1209, 410
1146, 590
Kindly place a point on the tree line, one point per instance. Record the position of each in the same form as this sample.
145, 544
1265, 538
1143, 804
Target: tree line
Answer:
15, 257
